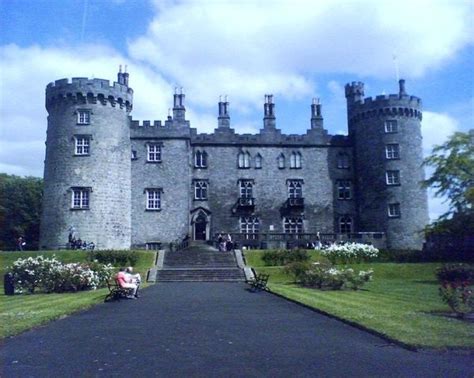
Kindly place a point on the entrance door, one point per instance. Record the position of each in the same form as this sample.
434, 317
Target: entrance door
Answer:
200, 227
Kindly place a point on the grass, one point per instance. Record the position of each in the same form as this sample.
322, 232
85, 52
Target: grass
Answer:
21, 312
401, 303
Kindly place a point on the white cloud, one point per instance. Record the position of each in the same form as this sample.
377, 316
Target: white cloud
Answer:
436, 128
243, 48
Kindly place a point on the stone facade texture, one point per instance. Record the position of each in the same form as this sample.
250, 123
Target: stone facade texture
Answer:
116, 171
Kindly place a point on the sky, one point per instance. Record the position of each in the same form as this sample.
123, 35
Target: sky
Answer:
294, 49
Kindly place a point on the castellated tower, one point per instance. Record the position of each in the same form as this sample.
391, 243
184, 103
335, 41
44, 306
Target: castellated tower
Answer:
386, 134
87, 174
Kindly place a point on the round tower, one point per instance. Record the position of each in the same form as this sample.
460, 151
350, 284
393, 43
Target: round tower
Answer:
87, 172
386, 134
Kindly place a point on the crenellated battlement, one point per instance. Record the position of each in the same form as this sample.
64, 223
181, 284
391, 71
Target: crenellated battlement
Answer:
389, 105
89, 91
135, 124
401, 104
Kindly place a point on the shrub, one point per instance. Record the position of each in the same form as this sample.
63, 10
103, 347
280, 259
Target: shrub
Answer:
282, 257
50, 275
456, 287
116, 258
355, 280
456, 273
325, 276
297, 269
349, 252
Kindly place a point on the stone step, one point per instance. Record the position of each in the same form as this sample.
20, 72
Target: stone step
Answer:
233, 274
199, 258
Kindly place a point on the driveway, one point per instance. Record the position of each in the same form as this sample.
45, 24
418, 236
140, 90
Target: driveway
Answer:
191, 329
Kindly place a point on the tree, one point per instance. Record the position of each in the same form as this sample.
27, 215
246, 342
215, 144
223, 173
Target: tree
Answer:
20, 209
453, 178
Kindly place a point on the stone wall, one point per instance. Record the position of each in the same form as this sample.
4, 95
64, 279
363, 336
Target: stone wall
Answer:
173, 176
105, 171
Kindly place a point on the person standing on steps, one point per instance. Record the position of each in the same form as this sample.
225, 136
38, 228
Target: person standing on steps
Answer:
221, 243
228, 244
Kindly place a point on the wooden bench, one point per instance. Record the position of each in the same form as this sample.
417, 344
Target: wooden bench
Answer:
116, 292
259, 282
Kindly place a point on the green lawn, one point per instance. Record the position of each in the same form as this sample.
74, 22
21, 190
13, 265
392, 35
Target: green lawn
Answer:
401, 302
21, 312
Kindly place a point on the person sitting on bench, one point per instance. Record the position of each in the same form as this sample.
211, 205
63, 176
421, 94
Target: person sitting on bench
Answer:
122, 281
130, 277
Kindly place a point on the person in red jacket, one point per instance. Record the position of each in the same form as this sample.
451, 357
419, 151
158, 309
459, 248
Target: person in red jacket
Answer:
122, 281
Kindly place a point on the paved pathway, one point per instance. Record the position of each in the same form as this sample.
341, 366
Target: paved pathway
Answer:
213, 330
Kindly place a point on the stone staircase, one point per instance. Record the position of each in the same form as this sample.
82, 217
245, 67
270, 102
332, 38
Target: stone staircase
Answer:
199, 262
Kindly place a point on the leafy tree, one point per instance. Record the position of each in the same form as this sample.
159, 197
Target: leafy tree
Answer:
453, 178
20, 209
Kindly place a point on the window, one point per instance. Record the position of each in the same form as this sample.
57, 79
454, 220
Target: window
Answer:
200, 159
153, 199
343, 161
392, 177
391, 126
154, 153
244, 160
200, 190
394, 210
345, 224
295, 189
344, 189
293, 225
249, 225
392, 151
80, 198
246, 189
82, 145
281, 161
295, 160
134, 155
83, 117
258, 161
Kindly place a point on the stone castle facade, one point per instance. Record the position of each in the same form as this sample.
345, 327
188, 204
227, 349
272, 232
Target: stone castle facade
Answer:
122, 183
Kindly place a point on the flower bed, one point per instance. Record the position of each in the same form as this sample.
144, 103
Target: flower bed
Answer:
50, 275
325, 276
349, 253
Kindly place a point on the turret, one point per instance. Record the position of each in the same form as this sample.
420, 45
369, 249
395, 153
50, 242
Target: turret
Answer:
386, 134
269, 113
87, 166
179, 110
223, 118
316, 115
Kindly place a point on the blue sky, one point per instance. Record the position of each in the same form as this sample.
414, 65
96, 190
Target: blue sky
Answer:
296, 50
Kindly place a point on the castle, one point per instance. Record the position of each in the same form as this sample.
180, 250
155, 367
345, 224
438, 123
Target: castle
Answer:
121, 183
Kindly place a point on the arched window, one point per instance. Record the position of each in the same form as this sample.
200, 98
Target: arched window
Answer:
295, 189
281, 161
343, 161
345, 224
200, 159
295, 160
200, 190
244, 159
258, 161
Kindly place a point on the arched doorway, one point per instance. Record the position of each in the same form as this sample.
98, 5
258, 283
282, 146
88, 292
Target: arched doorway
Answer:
200, 224
200, 227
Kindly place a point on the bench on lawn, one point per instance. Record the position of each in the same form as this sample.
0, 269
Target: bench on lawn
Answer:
259, 282
116, 292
